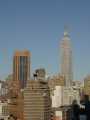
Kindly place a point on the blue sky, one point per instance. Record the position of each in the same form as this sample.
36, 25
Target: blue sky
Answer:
38, 25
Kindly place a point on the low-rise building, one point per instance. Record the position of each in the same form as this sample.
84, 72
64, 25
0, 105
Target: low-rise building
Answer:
3, 88
4, 110
64, 96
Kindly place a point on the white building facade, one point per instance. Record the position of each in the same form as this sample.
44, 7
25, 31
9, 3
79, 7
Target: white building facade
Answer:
64, 96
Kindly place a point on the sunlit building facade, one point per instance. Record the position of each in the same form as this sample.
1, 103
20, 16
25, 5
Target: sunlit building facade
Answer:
21, 67
37, 102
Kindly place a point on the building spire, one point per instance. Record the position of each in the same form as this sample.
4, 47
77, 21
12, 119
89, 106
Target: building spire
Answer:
66, 30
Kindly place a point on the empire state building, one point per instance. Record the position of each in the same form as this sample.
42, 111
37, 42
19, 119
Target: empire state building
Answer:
66, 59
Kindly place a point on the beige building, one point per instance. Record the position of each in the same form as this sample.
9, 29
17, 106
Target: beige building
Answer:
87, 85
56, 80
37, 103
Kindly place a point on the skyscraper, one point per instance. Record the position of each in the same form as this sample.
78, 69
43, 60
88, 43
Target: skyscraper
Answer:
66, 59
21, 67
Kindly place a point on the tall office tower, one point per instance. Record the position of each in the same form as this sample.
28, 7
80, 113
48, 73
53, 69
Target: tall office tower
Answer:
66, 59
21, 67
37, 102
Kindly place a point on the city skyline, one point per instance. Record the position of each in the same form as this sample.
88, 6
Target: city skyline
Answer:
38, 27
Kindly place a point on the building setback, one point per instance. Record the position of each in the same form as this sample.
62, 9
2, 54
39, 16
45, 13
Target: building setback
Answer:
21, 67
37, 102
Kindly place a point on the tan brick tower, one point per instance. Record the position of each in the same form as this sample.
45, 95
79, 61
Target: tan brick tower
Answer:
37, 102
